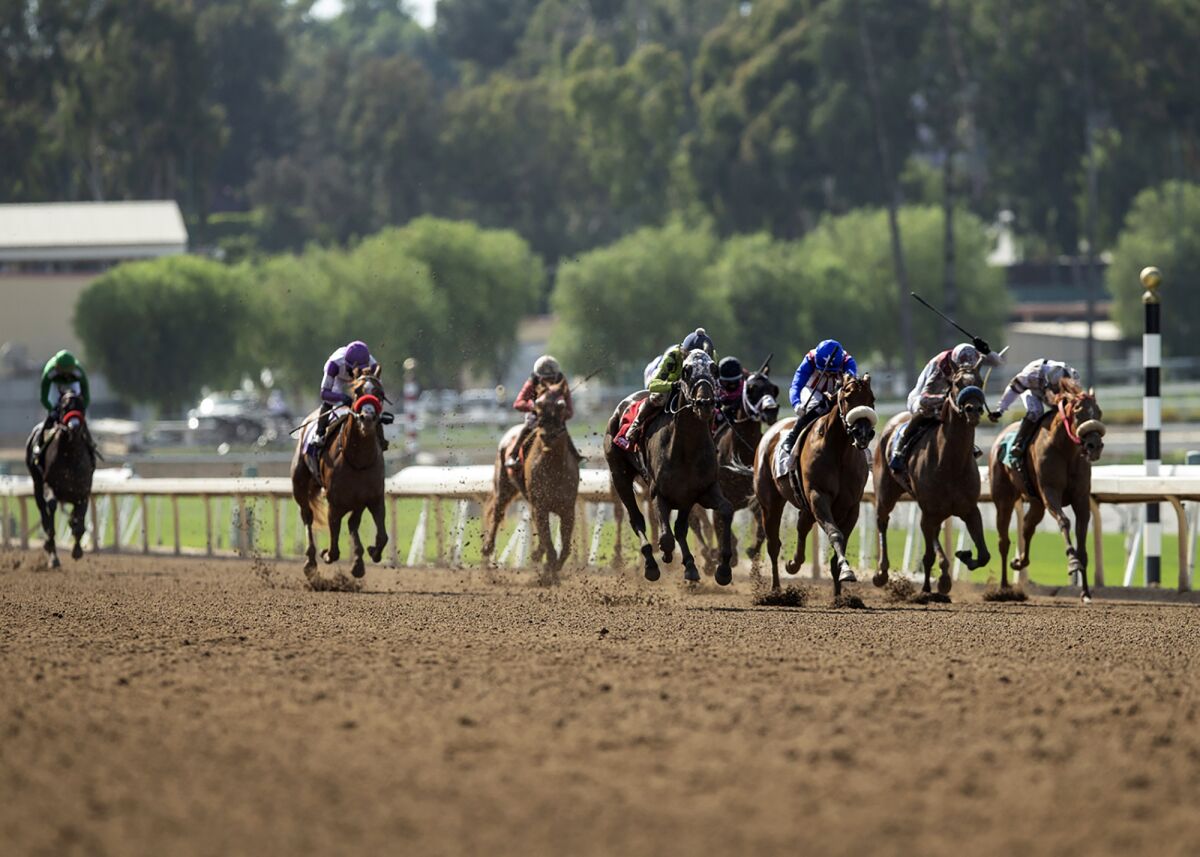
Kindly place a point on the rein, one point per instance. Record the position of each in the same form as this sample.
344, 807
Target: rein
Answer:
1066, 418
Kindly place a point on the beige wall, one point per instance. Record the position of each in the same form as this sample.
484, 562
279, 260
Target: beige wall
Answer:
36, 311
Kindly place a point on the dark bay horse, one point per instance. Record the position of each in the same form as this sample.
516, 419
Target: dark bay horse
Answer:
350, 477
68, 461
941, 476
681, 459
1059, 468
548, 480
737, 440
832, 475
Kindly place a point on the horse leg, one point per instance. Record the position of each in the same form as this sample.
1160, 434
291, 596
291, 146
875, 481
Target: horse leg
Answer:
493, 512
623, 484
1004, 510
1053, 498
46, 510
841, 571
930, 529
1033, 517
945, 581
701, 526
379, 516
618, 559
358, 569
723, 522
566, 528
666, 539
1083, 516
974, 521
682, 522
760, 534
78, 528
772, 515
885, 501
541, 521
804, 524
331, 553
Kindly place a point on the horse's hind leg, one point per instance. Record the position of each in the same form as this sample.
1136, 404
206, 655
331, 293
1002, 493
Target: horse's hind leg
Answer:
682, 521
566, 530
359, 568
378, 514
78, 528
723, 523
804, 523
333, 552
1004, 510
1034, 513
885, 502
701, 528
1083, 515
930, 529
772, 516
49, 526
623, 485
493, 512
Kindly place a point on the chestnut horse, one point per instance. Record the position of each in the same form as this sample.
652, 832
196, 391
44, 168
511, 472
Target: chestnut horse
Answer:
351, 471
681, 459
548, 480
941, 476
830, 474
68, 461
1059, 474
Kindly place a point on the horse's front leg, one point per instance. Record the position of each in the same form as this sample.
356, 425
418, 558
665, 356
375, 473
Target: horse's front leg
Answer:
331, 553
823, 508
666, 540
1083, 517
930, 530
78, 528
379, 516
566, 530
541, 522
359, 568
1053, 499
682, 522
723, 523
974, 521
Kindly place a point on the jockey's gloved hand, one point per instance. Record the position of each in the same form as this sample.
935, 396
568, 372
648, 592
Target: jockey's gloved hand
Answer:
994, 416
347, 399
981, 346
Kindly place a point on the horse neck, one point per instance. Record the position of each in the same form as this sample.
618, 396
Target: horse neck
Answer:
686, 424
1058, 439
744, 438
958, 433
360, 448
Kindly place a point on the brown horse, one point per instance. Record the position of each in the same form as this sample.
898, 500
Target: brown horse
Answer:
827, 486
68, 461
737, 440
1059, 468
681, 459
941, 476
350, 481
548, 480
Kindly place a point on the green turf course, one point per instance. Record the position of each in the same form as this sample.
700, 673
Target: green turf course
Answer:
1048, 565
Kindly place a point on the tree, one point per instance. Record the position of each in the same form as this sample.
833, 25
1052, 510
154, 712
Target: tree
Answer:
161, 330
483, 32
1161, 230
620, 305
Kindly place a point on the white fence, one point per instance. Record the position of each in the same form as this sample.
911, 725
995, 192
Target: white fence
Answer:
120, 519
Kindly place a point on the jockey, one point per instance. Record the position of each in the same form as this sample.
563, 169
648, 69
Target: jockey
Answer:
933, 386
342, 367
816, 381
660, 386
546, 373
1031, 385
62, 375
731, 381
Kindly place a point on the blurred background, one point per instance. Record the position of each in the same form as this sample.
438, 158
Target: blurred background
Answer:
205, 197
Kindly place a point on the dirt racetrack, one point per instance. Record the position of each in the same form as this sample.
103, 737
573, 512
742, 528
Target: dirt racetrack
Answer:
161, 706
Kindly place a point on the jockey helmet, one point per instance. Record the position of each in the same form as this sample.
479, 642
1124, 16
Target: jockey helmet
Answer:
1055, 372
546, 367
729, 371
698, 339
65, 361
829, 355
358, 356
965, 355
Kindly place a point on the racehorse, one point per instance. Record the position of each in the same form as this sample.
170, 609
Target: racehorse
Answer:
68, 460
548, 480
737, 440
348, 479
827, 480
941, 476
681, 459
1059, 467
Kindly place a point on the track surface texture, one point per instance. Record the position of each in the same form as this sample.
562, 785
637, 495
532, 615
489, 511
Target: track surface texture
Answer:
162, 706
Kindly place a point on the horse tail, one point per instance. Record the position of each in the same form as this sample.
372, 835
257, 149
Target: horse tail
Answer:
317, 505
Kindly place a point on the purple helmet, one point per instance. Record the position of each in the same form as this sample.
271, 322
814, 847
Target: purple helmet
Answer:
358, 356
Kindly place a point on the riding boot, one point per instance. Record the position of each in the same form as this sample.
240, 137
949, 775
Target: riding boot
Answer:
633, 434
797, 427
514, 452
1016, 453
898, 462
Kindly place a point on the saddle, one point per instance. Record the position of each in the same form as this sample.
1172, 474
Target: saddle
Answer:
899, 435
314, 447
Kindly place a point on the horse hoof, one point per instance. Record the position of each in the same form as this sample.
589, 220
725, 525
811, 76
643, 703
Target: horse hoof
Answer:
724, 575
880, 578
791, 567
691, 573
1018, 564
375, 553
944, 584
667, 557
967, 558
359, 568
651, 570
77, 552
847, 575
1085, 598
53, 561
329, 556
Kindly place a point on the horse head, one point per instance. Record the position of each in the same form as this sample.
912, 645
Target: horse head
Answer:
550, 407
760, 398
70, 413
856, 408
699, 383
1082, 416
966, 397
368, 395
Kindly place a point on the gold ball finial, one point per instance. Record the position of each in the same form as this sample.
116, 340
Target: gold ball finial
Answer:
1151, 277
410, 363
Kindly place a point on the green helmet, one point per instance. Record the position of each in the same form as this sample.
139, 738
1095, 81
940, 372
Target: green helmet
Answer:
65, 361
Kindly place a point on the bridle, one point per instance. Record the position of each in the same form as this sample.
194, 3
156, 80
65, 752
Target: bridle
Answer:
851, 416
1067, 408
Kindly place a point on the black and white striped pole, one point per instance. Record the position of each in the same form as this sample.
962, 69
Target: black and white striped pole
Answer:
1152, 417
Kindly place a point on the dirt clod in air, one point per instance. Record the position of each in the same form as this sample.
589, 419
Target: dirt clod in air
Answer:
1009, 593
899, 589
789, 596
849, 601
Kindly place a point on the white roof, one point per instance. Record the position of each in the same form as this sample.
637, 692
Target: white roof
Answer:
1103, 330
55, 231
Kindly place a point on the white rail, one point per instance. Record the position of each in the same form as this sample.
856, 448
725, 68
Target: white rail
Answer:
120, 503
